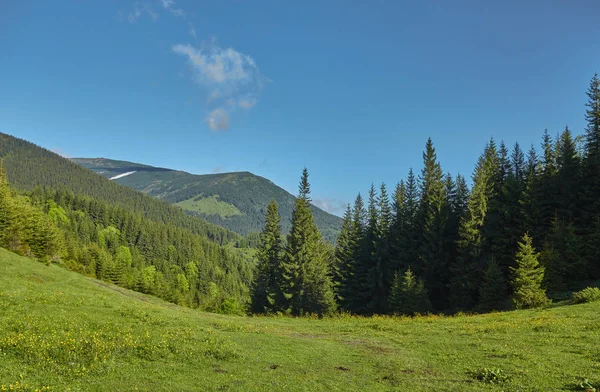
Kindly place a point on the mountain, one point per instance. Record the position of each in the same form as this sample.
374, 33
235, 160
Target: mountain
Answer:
236, 201
29, 166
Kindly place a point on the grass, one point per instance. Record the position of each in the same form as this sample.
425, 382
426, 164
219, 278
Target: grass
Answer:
64, 332
209, 206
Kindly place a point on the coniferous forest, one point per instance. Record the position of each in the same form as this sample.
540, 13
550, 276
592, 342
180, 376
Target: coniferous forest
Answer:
528, 228
525, 231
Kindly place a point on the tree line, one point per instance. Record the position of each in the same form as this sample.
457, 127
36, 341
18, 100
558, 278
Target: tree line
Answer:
529, 225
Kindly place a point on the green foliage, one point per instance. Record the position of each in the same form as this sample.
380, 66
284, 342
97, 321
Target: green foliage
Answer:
307, 284
527, 277
267, 296
490, 376
589, 294
492, 292
587, 386
408, 296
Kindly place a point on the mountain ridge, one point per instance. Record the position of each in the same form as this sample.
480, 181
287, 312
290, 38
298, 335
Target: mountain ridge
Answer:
234, 200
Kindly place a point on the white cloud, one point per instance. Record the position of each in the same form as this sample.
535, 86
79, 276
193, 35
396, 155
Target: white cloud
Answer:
218, 120
247, 103
217, 65
177, 12
230, 79
333, 206
140, 9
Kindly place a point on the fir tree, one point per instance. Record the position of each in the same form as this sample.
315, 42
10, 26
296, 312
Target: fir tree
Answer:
568, 177
344, 260
410, 231
527, 277
307, 277
366, 268
467, 269
591, 186
382, 269
492, 292
352, 284
7, 221
433, 217
266, 296
408, 295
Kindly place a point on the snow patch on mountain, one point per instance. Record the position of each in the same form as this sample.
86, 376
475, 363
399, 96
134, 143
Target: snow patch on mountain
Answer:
122, 175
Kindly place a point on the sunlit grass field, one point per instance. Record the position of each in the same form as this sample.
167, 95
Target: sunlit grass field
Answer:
61, 331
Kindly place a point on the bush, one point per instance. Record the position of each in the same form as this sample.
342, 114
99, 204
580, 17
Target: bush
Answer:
231, 306
589, 294
490, 376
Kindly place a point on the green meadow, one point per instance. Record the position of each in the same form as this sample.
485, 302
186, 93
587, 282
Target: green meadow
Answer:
61, 331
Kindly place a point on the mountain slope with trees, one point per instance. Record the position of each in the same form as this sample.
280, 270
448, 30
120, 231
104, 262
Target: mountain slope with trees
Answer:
237, 201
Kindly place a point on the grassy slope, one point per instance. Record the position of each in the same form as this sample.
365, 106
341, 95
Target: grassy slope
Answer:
209, 206
60, 329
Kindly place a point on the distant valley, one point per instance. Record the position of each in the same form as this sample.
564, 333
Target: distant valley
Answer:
236, 201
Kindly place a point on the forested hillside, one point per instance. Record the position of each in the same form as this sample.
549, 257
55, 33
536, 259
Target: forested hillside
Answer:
29, 166
237, 201
116, 245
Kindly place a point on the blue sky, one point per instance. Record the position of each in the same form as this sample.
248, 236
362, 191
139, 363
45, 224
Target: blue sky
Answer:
352, 90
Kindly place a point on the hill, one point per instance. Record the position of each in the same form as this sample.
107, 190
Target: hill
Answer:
236, 201
62, 330
29, 166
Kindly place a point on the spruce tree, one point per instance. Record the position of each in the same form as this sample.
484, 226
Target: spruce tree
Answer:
395, 233
591, 186
344, 260
492, 292
433, 218
266, 296
467, 269
7, 220
527, 277
568, 177
408, 295
352, 285
366, 268
307, 277
411, 234
383, 269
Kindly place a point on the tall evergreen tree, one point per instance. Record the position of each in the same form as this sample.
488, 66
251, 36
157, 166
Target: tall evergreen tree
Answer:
366, 269
411, 234
266, 296
344, 260
591, 186
568, 177
352, 284
7, 220
467, 270
527, 277
433, 218
307, 277
395, 233
382, 271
